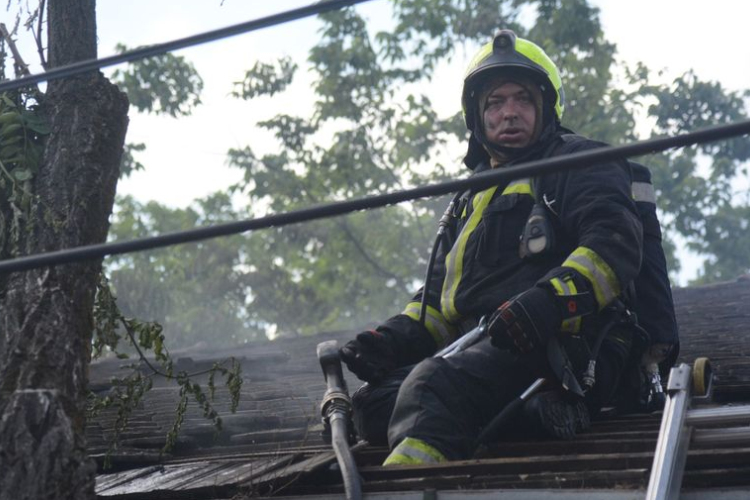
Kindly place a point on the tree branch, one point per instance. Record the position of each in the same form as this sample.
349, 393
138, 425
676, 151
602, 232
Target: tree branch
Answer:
347, 230
129, 331
155, 370
22, 69
371, 260
38, 35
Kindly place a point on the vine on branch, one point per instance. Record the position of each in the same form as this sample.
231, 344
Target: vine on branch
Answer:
110, 329
163, 84
22, 133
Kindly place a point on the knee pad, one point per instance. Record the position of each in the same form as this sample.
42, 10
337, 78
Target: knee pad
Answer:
373, 405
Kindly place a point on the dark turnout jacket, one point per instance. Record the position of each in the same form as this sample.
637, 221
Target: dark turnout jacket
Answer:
597, 230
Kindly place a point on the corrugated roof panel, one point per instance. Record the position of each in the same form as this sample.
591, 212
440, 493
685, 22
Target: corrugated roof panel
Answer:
279, 413
187, 476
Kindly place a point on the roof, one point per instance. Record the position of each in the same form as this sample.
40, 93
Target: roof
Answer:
272, 445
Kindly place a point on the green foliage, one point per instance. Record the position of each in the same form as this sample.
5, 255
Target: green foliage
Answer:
129, 164
110, 329
266, 79
690, 104
162, 84
349, 271
570, 31
22, 132
385, 134
428, 31
23, 129
126, 397
727, 239
190, 389
195, 291
703, 206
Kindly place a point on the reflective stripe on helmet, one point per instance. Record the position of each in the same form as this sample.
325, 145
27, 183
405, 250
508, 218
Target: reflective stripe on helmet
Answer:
536, 54
603, 280
413, 451
443, 333
480, 56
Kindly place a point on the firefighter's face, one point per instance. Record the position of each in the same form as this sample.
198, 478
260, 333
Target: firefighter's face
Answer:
509, 116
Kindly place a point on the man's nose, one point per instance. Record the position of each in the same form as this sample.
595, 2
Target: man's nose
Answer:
510, 110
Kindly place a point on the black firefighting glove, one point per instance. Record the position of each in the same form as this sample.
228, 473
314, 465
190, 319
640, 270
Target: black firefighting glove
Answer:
370, 356
527, 321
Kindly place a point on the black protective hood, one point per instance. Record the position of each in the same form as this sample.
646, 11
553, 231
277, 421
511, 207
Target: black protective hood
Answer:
477, 153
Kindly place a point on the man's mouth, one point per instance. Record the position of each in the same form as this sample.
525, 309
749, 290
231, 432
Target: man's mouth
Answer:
511, 132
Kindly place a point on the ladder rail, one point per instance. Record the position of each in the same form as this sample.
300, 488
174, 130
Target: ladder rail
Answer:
681, 426
674, 437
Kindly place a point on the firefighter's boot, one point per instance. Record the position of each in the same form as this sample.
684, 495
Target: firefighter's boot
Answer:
557, 415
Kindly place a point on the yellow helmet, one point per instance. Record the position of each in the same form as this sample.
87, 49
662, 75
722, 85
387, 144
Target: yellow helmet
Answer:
509, 55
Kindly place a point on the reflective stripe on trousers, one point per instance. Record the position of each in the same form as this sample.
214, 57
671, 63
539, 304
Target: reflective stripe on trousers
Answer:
411, 451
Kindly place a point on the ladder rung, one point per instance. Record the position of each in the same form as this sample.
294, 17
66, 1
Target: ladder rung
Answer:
719, 415
732, 435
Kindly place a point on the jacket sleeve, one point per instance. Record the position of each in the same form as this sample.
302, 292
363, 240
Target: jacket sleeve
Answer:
654, 306
597, 209
415, 341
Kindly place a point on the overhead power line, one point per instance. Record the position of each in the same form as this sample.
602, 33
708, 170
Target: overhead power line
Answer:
493, 177
162, 48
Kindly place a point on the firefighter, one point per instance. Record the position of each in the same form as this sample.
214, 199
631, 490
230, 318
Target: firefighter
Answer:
543, 258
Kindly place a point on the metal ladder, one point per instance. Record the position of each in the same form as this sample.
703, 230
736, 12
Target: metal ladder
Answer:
681, 425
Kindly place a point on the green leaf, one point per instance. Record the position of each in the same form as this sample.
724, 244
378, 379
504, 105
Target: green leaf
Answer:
266, 79
22, 174
162, 84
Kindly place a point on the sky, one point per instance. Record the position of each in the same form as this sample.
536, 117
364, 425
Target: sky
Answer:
185, 157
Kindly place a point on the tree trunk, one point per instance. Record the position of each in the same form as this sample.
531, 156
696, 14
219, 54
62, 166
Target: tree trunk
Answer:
45, 314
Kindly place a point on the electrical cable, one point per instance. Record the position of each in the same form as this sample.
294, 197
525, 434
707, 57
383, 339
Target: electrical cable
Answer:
443, 237
161, 48
485, 179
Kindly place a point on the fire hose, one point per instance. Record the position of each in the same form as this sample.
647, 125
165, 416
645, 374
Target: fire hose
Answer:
336, 410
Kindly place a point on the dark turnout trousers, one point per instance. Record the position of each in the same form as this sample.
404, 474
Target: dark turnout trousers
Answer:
446, 402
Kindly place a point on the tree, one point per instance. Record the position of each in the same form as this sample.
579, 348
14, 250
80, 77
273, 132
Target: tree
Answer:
386, 135
195, 291
46, 325
165, 84
704, 209
330, 274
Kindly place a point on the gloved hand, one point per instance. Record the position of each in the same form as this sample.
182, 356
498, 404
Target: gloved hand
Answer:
526, 321
370, 356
